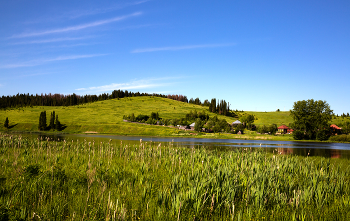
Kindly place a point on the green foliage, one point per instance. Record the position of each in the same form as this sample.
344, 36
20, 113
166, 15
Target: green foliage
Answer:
155, 116
58, 125
340, 138
42, 121
198, 124
323, 134
311, 116
52, 120
270, 129
150, 181
247, 119
7, 123
298, 135
141, 118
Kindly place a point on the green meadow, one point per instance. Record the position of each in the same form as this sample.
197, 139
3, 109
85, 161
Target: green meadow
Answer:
71, 180
106, 117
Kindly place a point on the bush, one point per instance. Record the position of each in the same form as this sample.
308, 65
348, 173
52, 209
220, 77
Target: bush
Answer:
340, 138
298, 135
322, 135
141, 118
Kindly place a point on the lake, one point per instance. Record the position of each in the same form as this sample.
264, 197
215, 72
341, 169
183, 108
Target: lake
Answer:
332, 150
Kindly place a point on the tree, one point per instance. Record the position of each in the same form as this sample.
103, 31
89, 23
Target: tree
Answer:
311, 116
42, 121
7, 123
198, 125
247, 119
52, 120
58, 125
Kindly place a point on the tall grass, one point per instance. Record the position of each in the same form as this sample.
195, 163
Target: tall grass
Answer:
72, 180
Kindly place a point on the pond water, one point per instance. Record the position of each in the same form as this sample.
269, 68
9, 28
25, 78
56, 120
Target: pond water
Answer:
333, 150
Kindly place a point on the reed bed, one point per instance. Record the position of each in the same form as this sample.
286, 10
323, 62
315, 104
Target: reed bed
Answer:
72, 180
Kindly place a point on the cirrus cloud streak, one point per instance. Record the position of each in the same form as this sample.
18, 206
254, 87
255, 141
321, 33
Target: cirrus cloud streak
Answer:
177, 48
133, 85
77, 27
43, 61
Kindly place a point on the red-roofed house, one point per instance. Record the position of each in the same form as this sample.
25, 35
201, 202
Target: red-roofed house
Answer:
335, 129
283, 129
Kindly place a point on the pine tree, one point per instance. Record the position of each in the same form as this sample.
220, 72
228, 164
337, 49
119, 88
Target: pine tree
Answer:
52, 120
58, 124
7, 124
42, 121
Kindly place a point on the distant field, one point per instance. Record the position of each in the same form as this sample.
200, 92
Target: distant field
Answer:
107, 117
267, 118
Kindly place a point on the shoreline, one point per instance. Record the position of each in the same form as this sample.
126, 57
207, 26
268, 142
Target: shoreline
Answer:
224, 136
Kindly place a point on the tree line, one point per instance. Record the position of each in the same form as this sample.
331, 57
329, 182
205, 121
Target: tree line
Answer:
23, 100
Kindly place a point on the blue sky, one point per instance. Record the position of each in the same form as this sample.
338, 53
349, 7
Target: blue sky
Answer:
257, 55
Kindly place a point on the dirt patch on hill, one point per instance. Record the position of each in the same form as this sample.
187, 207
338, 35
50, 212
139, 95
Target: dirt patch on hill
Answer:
91, 132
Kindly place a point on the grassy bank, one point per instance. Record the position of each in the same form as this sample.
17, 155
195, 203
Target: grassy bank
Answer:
43, 180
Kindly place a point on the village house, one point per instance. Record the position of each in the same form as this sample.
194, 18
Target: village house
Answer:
236, 123
192, 126
283, 129
335, 130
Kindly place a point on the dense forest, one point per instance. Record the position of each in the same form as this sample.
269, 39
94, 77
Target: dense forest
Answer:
23, 100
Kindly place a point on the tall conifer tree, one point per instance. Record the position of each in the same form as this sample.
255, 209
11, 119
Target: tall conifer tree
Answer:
52, 120
58, 124
42, 121
7, 124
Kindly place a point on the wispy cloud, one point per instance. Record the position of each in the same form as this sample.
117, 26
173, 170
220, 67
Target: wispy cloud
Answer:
81, 13
136, 84
50, 40
177, 48
77, 27
43, 61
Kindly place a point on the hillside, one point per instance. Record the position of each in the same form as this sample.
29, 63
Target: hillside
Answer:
106, 116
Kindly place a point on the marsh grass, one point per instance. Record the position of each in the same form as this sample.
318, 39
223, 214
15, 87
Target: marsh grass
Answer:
72, 180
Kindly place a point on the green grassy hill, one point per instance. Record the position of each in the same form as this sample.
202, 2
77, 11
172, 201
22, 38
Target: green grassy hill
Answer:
267, 118
105, 116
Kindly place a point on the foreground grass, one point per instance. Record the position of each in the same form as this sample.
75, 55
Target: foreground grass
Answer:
44, 180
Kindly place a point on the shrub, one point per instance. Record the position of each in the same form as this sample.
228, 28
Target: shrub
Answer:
340, 138
322, 135
298, 135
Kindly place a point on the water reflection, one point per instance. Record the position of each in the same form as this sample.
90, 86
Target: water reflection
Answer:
332, 150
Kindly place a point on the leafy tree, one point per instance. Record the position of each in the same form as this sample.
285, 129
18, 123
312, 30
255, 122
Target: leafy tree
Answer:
298, 135
141, 118
263, 129
210, 124
155, 115
198, 124
311, 116
7, 123
323, 134
247, 119
273, 128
